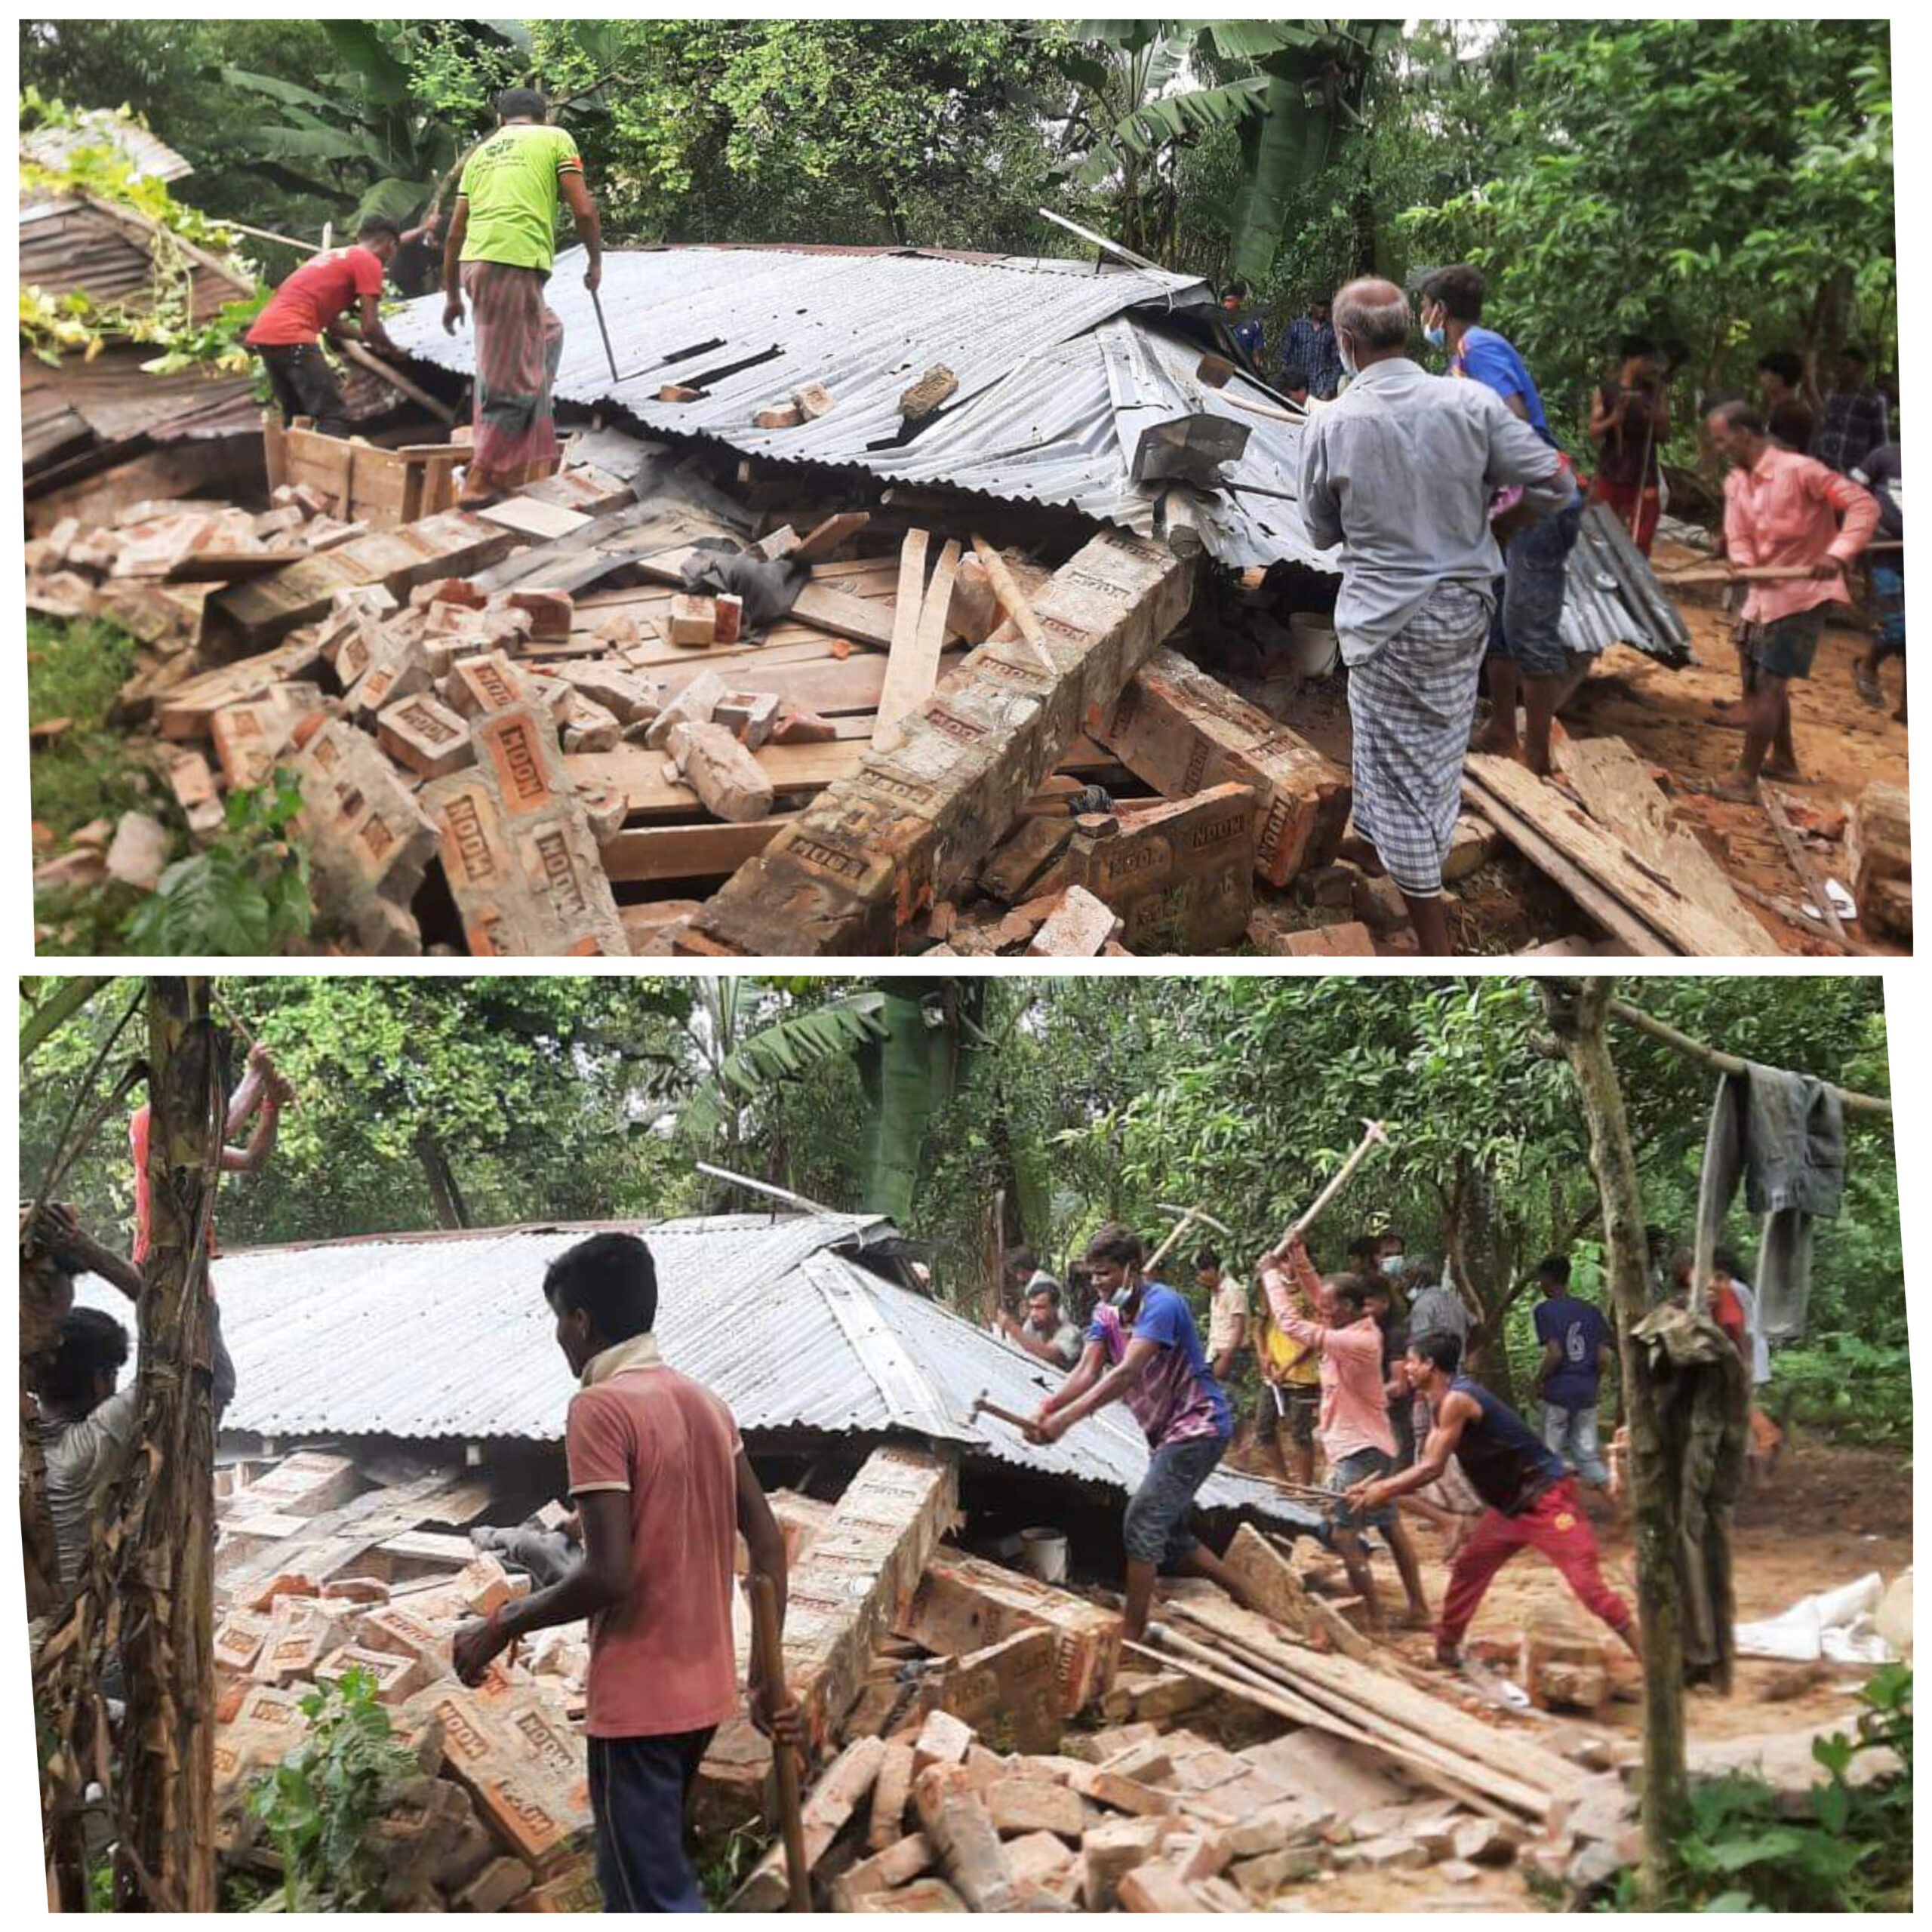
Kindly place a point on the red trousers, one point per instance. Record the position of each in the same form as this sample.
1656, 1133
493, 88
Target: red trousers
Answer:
1554, 1524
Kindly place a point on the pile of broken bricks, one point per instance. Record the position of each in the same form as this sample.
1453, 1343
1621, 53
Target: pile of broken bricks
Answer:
984, 1740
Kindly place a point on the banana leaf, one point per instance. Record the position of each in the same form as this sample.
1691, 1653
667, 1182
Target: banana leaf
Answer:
783, 1051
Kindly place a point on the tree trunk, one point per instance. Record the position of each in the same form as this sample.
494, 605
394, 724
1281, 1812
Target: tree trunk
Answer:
165, 1859
1577, 1012
452, 1211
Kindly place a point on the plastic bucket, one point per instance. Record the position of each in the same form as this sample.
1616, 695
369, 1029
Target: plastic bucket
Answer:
1316, 646
1043, 1553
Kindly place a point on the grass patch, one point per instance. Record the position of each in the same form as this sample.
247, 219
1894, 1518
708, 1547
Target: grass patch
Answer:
75, 670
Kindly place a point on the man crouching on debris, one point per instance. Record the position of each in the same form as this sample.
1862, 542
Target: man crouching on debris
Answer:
1532, 1500
662, 1484
1142, 1349
1400, 471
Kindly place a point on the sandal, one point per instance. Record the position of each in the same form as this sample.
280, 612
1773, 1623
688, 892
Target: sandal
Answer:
1862, 676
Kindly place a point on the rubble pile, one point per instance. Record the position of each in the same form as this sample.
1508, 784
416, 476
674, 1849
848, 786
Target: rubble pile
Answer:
983, 1741
702, 673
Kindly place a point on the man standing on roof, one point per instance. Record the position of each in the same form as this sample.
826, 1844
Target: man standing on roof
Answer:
1400, 472
1527, 657
501, 243
261, 1096
1532, 1501
663, 1489
315, 302
1142, 1349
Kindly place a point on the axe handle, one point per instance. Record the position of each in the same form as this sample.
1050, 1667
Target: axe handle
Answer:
771, 1681
1319, 1205
985, 1408
1160, 1253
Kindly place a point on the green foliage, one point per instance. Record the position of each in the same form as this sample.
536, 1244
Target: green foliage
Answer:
1851, 1851
1723, 185
319, 1803
161, 312
1850, 1389
248, 893
721, 1874
75, 671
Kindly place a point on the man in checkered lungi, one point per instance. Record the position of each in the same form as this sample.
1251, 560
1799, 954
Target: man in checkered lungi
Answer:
1400, 472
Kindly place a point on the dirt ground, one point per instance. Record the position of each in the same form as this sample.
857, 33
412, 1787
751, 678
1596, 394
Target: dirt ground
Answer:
1669, 719
1829, 1516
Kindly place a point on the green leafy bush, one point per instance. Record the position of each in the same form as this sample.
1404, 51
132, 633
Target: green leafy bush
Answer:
248, 893
1852, 1852
320, 1803
1850, 1389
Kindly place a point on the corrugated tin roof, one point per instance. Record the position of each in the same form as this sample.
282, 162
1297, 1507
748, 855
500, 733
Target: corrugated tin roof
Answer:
447, 1337
1061, 368
149, 159
70, 243
112, 399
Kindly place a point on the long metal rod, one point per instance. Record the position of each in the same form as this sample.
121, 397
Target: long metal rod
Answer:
764, 1187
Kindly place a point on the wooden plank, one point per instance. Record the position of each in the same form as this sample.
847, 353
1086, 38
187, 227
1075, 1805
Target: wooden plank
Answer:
916, 823
1616, 918
908, 601
649, 853
913, 668
1598, 852
532, 518
1618, 792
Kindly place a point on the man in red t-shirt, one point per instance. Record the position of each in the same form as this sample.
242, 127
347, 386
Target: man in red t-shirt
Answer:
314, 301
663, 1488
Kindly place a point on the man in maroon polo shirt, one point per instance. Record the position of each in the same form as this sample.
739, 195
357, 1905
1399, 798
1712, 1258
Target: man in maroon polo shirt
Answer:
663, 1486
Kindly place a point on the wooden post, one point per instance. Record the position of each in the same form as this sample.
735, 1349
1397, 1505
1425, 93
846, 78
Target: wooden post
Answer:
165, 1859
1578, 1010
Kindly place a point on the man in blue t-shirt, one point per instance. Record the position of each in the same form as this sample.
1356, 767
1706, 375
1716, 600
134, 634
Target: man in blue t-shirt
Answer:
1576, 1342
1142, 1349
1527, 657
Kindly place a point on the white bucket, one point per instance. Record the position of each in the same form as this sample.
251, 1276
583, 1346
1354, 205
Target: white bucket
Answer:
1043, 1552
1316, 646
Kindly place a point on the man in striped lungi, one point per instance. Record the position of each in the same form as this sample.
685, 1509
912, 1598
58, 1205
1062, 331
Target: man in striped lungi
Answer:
501, 243
1400, 471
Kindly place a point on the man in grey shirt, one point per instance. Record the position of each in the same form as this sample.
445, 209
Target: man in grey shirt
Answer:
1400, 471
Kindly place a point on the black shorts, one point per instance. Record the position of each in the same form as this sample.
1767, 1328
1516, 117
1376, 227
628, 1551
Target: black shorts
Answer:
1784, 647
1294, 1407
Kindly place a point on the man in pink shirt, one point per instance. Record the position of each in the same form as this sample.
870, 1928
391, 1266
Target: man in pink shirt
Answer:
662, 1487
1782, 511
1356, 1441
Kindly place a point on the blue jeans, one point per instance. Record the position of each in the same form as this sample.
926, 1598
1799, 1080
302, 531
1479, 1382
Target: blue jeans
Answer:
1159, 1512
1528, 624
638, 1786
1572, 1434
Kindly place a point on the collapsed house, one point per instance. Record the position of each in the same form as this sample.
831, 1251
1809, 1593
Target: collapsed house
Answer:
984, 1739
882, 606
101, 430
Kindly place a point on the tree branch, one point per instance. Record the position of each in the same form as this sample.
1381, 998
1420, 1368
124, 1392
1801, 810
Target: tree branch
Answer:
1867, 1104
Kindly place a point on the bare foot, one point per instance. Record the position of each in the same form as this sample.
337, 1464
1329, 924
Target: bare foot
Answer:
1447, 1658
1782, 772
1358, 851
1494, 739
1863, 677
1417, 1619
1738, 790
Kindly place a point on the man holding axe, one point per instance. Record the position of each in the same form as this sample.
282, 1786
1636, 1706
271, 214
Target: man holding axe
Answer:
1333, 1317
1142, 1349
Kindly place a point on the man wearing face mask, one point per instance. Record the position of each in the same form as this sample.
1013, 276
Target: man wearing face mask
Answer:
1399, 472
1527, 657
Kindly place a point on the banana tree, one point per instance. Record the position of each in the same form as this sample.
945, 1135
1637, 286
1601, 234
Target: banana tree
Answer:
1292, 89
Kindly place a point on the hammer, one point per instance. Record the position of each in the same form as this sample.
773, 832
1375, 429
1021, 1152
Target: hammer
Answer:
982, 1407
1188, 1215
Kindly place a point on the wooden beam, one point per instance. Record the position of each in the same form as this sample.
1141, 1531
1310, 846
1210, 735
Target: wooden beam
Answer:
913, 668
385, 372
913, 825
1012, 600
1618, 792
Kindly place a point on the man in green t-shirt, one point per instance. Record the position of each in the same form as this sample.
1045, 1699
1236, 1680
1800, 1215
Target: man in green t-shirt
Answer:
501, 243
